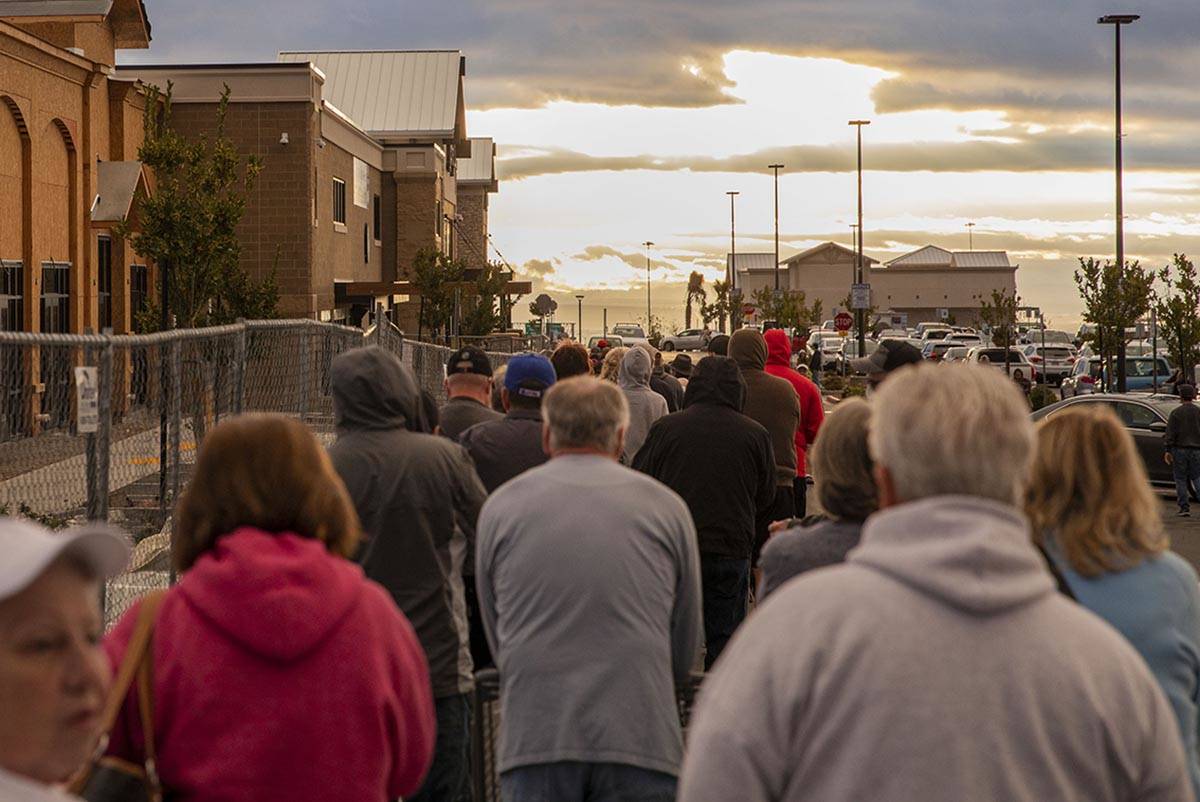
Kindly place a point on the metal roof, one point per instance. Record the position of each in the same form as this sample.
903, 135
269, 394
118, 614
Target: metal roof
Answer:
393, 93
929, 255
480, 168
753, 261
825, 246
981, 259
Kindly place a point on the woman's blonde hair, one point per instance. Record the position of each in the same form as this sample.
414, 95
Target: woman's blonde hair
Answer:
610, 369
268, 472
1090, 492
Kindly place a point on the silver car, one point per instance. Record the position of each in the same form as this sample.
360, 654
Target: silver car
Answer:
1054, 362
687, 340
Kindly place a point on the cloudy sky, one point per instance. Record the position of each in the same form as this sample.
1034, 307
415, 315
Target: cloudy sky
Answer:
621, 121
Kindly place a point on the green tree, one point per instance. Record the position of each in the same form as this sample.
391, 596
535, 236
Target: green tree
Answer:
790, 308
1177, 308
188, 226
999, 316
436, 278
696, 294
447, 286
1114, 299
720, 309
485, 306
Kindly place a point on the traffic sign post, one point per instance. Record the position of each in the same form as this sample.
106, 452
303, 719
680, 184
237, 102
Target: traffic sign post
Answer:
843, 322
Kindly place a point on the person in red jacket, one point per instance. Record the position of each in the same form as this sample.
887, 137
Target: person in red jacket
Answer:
279, 671
812, 412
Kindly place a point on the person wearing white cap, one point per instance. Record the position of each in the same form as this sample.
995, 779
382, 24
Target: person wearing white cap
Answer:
53, 673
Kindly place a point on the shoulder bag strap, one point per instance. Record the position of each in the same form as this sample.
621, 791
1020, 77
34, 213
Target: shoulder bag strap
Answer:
146, 704
135, 650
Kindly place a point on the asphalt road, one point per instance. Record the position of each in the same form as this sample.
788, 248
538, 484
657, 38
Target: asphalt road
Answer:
1184, 532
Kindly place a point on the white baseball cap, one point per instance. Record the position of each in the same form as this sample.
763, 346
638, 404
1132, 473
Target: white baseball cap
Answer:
28, 549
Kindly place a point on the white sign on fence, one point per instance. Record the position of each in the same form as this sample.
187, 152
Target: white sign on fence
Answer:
87, 400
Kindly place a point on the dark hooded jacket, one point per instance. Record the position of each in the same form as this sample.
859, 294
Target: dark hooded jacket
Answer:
769, 400
717, 459
418, 498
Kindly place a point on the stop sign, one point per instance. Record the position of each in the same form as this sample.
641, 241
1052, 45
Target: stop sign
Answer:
842, 321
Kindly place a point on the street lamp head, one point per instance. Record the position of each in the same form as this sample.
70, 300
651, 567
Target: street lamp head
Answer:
648, 244
1118, 19
859, 122
775, 166
732, 193
579, 297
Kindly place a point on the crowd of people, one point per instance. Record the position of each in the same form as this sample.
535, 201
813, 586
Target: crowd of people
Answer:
965, 606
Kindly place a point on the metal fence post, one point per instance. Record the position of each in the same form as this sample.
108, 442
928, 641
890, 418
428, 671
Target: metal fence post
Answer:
239, 367
91, 457
305, 367
104, 435
176, 417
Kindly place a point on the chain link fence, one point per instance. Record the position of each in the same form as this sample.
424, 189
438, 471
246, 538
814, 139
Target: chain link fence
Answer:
106, 428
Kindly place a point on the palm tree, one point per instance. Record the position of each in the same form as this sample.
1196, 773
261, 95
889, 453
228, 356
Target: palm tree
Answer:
695, 293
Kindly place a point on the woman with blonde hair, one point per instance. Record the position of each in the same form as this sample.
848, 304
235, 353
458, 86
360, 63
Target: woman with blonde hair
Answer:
1097, 520
610, 368
279, 671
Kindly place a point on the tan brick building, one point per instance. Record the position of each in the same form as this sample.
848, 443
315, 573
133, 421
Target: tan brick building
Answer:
476, 182
69, 135
360, 154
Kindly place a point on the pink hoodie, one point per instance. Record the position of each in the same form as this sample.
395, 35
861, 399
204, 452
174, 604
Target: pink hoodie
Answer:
812, 412
280, 672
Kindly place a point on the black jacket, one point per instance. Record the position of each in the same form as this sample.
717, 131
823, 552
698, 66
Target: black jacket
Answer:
668, 387
718, 460
1183, 427
505, 448
418, 499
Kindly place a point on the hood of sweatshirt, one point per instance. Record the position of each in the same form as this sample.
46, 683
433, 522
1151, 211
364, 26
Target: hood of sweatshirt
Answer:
779, 348
372, 389
635, 369
969, 553
278, 596
748, 348
716, 380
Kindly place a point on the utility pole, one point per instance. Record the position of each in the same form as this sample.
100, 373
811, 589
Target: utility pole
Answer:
731, 268
970, 236
776, 168
1117, 20
860, 314
579, 331
648, 245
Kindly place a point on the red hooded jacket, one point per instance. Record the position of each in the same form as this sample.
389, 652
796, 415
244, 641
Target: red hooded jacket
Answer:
812, 412
280, 672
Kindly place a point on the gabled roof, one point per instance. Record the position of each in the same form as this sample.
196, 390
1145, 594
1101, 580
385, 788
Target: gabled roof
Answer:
930, 255
116, 185
981, 259
826, 247
747, 262
480, 168
396, 94
130, 25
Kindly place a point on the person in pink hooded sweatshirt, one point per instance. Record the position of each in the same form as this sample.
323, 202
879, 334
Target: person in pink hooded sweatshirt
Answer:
812, 412
279, 671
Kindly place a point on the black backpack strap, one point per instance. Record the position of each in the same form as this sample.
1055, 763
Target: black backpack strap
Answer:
1059, 579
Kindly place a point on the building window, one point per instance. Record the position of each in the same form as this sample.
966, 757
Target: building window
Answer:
377, 206
366, 247
339, 201
12, 296
104, 280
139, 289
56, 288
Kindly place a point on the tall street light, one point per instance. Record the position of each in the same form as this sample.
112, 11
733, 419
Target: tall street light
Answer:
731, 268
776, 168
860, 314
970, 236
648, 244
579, 332
1117, 20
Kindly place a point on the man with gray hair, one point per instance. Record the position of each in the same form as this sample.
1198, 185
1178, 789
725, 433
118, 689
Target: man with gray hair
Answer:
589, 585
939, 662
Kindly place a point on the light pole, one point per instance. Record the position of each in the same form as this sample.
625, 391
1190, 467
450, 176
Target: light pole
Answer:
731, 268
970, 236
1117, 20
860, 314
776, 168
648, 244
579, 331
854, 237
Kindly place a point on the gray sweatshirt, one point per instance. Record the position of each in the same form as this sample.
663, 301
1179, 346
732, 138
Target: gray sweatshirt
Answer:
589, 586
938, 663
645, 405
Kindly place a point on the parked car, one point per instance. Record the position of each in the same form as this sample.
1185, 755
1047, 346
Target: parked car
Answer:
831, 352
1087, 375
687, 340
928, 325
955, 354
933, 335
994, 357
613, 341
935, 350
1144, 416
849, 353
630, 334
1054, 362
964, 339
892, 334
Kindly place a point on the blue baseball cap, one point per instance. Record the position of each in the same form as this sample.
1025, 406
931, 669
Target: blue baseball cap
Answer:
529, 375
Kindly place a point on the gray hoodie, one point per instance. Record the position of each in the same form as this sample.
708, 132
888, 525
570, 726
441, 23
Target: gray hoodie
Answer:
938, 663
645, 405
418, 498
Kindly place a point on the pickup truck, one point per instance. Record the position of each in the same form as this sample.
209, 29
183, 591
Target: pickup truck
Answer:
630, 334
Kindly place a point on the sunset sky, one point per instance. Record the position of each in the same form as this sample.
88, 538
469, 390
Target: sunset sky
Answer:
621, 121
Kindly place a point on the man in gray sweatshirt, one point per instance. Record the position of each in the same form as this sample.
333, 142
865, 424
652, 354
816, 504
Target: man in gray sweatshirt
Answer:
939, 662
589, 585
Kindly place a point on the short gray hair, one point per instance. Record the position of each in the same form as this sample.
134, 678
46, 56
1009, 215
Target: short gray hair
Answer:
585, 412
963, 430
841, 462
